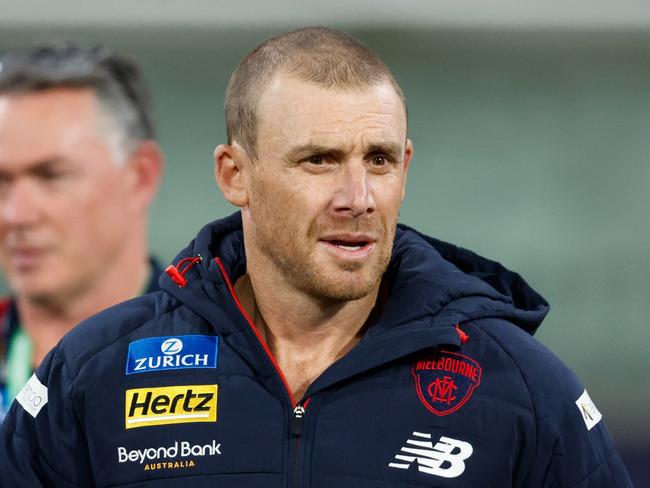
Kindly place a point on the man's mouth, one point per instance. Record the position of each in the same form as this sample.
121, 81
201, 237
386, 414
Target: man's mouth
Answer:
25, 257
350, 245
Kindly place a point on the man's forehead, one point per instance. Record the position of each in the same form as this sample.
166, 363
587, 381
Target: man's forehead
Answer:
295, 95
64, 121
58, 105
291, 107
367, 136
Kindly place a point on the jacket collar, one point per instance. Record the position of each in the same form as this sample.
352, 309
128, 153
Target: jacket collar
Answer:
432, 286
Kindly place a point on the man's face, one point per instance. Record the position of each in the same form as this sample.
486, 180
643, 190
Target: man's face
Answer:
64, 209
326, 188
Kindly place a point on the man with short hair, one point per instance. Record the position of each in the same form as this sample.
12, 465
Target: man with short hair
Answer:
310, 340
78, 170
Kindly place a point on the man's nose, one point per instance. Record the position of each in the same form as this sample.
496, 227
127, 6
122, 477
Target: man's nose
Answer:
354, 195
19, 203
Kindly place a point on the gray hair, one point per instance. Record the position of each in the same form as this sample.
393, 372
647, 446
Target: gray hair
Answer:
319, 55
116, 81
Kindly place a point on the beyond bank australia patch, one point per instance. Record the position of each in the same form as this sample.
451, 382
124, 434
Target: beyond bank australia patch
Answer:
172, 352
445, 381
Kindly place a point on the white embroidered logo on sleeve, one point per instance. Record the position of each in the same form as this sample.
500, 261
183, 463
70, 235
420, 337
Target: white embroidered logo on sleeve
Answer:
588, 410
33, 396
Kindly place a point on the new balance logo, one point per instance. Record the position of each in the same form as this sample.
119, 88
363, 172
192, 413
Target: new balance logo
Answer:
446, 458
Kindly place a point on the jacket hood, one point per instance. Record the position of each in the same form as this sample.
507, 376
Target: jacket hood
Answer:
432, 283
460, 285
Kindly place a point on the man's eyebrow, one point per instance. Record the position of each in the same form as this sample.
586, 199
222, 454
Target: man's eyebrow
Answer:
393, 150
299, 152
35, 168
45, 163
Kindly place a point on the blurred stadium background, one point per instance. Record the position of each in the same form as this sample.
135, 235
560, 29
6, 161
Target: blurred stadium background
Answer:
531, 125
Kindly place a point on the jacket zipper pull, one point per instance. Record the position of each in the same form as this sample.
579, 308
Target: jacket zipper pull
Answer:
297, 420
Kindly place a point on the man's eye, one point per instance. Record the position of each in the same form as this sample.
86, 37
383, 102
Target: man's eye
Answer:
51, 175
379, 160
316, 159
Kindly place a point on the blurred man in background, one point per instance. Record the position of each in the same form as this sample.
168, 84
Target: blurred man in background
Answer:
79, 169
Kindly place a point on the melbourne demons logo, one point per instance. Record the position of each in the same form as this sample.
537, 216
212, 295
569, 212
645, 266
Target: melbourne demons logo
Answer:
445, 381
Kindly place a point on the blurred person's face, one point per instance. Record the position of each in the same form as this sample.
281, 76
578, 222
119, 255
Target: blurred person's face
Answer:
64, 200
324, 194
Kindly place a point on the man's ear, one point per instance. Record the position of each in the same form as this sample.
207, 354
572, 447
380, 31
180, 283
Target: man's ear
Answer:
408, 155
230, 165
146, 168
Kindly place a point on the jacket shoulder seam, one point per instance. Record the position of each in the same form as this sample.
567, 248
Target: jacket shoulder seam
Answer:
99, 349
536, 413
484, 331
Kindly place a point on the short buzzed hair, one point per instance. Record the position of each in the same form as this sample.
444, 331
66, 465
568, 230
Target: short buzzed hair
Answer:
115, 79
323, 56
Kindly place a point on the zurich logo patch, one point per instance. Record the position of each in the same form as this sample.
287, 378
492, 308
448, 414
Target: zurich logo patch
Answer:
445, 380
165, 353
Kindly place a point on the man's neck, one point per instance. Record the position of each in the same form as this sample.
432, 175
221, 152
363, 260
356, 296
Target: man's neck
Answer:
304, 334
47, 319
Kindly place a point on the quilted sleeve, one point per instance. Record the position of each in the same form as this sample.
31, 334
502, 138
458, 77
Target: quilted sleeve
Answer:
42, 443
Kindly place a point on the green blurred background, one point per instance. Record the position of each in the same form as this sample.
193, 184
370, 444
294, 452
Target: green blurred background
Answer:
531, 147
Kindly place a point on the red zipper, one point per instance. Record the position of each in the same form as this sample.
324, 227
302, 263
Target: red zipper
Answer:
257, 334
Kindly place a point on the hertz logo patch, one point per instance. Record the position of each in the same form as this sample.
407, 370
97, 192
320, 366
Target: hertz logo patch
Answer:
170, 405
